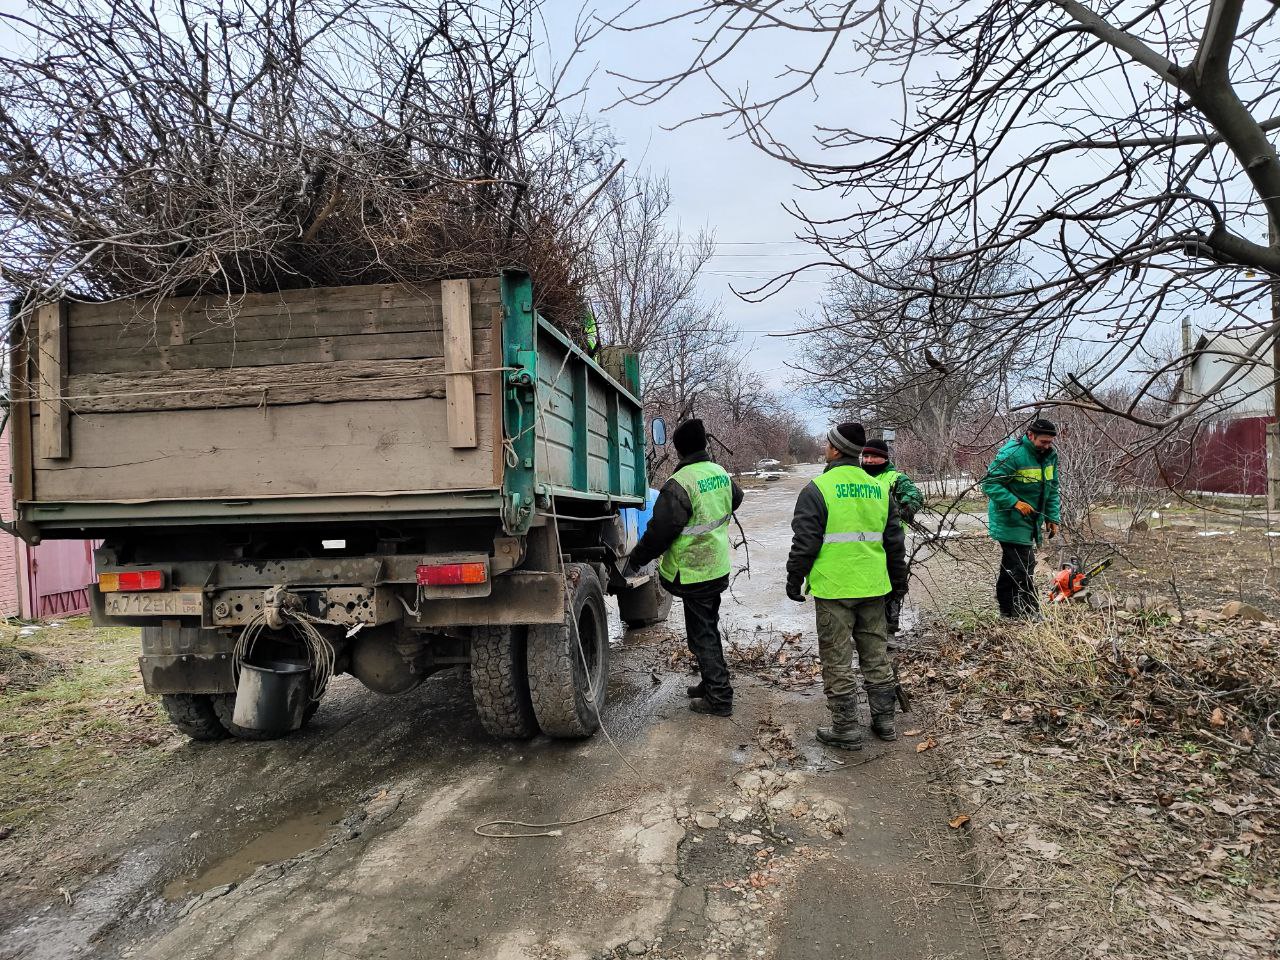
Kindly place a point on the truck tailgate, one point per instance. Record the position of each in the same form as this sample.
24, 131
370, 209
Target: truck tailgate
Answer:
348, 391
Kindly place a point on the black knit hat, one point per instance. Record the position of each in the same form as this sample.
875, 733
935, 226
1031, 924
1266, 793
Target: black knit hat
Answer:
848, 438
1042, 426
690, 437
876, 446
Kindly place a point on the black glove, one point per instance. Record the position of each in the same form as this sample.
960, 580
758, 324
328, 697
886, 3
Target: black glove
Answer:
795, 591
893, 612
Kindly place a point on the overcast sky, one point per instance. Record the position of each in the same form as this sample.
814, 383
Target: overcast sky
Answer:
717, 182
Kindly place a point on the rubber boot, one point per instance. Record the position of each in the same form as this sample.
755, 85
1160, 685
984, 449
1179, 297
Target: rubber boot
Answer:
844, 731
695, 691
883, 699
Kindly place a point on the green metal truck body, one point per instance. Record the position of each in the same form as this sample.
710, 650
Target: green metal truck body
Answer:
425, 476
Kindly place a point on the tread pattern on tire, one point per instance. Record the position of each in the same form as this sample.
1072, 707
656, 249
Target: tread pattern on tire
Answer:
194, 715
224, 705
557, 680
500, 682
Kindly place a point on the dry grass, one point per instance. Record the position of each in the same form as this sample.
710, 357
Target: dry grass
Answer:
71, 716
1117, 767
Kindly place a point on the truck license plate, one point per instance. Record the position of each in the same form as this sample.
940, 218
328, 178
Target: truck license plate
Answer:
153, 604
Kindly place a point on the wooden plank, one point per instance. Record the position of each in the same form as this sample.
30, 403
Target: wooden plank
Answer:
21, 449
54, 426
389, 446
268, 307
185, 328
458, 362
389, 346
258, 386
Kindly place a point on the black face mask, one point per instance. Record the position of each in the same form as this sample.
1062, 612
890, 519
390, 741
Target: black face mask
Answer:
875, 469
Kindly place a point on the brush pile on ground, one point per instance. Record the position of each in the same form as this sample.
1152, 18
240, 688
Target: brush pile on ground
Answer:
222, 147
1122, 776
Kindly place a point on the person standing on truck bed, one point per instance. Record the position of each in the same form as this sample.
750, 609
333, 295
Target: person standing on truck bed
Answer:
848, 544
690, 530
1022, 496
875, 460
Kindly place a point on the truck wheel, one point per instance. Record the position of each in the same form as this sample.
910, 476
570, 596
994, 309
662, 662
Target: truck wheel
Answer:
193, 714
224, 705
500, 682
567, 681
644, 606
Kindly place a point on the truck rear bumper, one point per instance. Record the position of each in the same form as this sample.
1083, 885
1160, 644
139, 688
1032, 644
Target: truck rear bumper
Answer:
510, 599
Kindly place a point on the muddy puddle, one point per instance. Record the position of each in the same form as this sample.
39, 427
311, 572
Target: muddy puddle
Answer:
288, 839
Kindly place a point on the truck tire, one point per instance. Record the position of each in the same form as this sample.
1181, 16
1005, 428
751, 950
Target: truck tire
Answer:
224, 705
193, 714
500, 682
644, 606
568, 693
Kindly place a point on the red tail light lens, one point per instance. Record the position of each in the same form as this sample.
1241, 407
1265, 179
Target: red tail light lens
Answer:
130, 580
452, 574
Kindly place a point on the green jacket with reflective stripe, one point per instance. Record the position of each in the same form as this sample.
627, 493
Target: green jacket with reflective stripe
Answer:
851, 564
908, 495
1021, 472
701, 551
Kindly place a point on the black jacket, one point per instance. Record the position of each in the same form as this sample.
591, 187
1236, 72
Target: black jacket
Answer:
671, 512
809, 526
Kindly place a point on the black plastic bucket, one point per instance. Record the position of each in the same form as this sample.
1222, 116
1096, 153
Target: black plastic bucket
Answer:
272, 696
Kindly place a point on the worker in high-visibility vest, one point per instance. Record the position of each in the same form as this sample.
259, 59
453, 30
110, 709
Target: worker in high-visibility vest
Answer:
875, 460
848, 546
690, 531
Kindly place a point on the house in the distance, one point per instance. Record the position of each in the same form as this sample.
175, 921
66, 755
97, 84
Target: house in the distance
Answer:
1228, 452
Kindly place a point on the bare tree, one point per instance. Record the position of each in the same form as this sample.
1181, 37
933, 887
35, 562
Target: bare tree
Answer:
927, 365
183, 147
1122, 151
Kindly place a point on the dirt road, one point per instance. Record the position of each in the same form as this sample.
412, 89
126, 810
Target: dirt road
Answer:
358, 837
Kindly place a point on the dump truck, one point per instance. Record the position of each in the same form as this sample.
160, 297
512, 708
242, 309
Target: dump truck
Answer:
380, 480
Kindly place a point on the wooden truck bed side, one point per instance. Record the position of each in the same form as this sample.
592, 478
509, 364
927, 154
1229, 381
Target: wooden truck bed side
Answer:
329, 392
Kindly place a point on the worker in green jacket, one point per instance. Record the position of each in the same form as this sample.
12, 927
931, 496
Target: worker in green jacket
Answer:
1022, 502
875, 460
848, 550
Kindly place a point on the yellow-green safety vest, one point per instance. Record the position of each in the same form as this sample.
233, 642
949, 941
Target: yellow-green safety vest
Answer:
852, 563
701, 552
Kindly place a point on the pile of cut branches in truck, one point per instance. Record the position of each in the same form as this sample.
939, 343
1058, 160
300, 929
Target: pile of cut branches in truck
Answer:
226, 147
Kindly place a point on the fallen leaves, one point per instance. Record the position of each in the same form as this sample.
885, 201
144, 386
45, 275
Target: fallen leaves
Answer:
927, 744
958, 821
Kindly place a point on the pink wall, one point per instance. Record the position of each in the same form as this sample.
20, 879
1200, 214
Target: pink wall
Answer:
44, 582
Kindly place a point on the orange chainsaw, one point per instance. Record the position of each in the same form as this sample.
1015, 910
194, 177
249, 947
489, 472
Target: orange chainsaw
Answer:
1070, 580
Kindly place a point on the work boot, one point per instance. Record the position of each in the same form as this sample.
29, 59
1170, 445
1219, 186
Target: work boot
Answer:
702, 705
844, 731
695, 690
883, 700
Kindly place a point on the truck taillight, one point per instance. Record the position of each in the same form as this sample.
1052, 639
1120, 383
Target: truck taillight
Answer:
131, 580
452, 574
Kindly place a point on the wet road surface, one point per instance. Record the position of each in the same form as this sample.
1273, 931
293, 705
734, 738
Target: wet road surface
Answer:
358, 836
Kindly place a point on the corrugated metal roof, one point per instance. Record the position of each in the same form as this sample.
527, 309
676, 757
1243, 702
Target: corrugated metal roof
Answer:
1248, 390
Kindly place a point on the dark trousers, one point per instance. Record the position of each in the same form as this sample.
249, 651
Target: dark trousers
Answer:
1015, 591
702, 628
